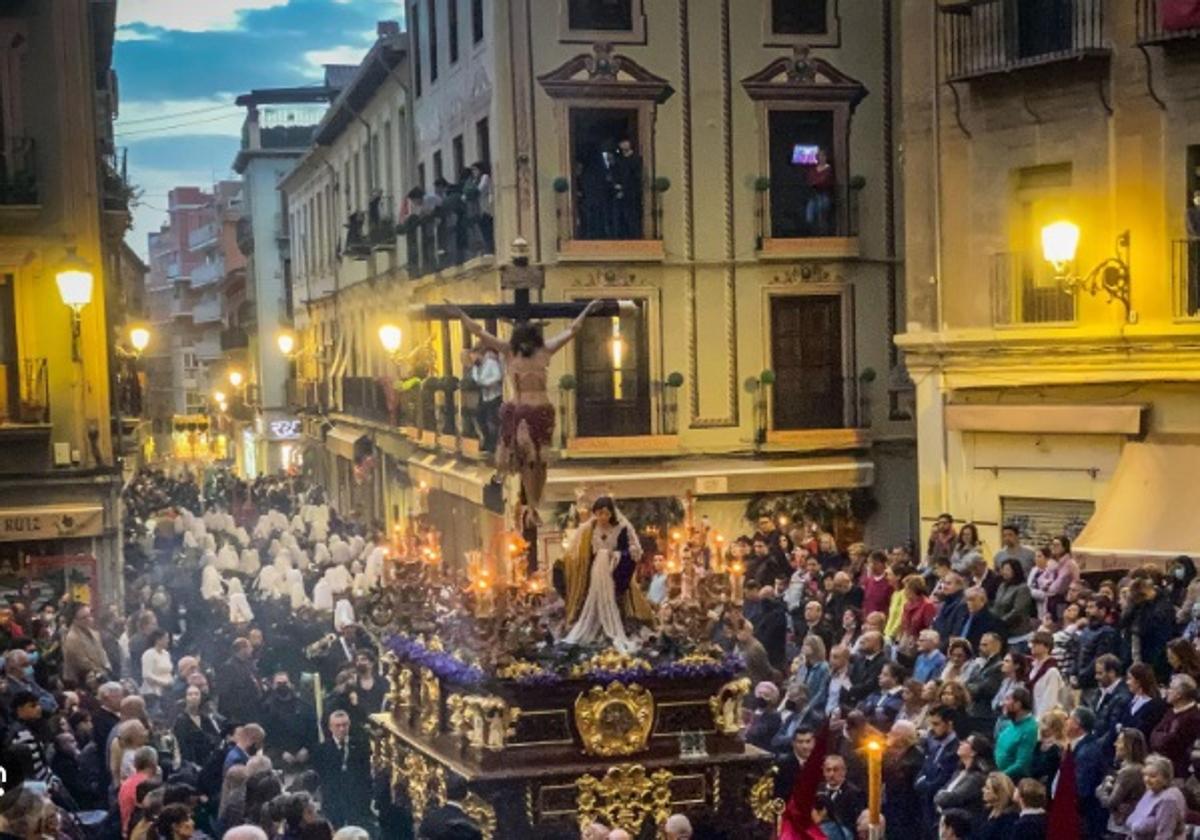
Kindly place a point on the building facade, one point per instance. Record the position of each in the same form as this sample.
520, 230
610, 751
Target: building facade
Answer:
60, 191
1054, 393
278, 129
729, 171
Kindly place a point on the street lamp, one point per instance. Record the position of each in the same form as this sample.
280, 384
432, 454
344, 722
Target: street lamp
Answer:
139, 339
219, 396
75, 281
236, 378
1060, 241
390, 336
286, 341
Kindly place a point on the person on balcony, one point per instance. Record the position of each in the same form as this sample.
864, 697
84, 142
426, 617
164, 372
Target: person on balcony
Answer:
820, 180
482, 204
627, 191
486, 372
596, 194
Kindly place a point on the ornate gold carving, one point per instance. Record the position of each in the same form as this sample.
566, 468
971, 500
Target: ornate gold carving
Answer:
485, 722
607, 277
425, 781
484, 815
615, 720
805, 272
608, 661
400, 695
624, 797
698, 658
431, 701
519, 668
763, 803
726, 706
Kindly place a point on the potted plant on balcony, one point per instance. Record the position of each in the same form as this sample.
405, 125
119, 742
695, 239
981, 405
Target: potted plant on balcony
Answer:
670, 408
762, 185
658, 186
757, 387
566, 384
865, 378
562, 186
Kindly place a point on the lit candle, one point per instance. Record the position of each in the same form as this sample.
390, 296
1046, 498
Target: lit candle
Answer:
874, 786
485, 599
736, 572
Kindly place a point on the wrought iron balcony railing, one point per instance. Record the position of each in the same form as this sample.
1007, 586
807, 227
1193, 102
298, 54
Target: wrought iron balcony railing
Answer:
1024, 291
991, 37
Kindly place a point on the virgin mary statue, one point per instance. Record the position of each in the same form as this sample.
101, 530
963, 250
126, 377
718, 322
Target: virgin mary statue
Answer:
599, 568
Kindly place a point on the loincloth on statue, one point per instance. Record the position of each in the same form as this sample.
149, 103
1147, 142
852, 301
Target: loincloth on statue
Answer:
517, 448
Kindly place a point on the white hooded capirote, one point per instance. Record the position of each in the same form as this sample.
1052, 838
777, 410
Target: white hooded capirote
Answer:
295, 586
227, 558
239, 609
248, 563
270, 582
343, 614
322, 597
211, 585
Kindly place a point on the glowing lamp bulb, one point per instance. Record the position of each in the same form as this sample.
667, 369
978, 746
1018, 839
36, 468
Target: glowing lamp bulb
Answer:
286, 342
236, 379
219, 396
139, 338
75, 281
390, 337
1060, 241
874, 746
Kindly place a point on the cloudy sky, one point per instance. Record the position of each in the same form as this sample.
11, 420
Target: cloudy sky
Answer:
181, 63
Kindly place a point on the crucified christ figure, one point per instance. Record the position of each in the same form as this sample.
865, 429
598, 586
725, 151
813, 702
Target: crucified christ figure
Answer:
527, 415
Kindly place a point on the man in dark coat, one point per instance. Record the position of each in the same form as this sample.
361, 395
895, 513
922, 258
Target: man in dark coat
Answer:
902, 765
865, 668
239, 695
788, 769
984, 682
1111, 701
1097, 639
450, 821
343, 765
939, 765
771, 627
290, 723
848, 800
979, 619
1091, 766
953, 610
627, 191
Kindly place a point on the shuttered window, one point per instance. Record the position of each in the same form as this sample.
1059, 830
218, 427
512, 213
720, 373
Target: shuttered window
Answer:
1040, 520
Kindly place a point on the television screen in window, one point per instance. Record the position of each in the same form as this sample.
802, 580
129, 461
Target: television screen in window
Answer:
804, 154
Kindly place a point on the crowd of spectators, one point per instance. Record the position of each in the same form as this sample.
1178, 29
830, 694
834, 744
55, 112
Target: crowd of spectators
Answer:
989, 676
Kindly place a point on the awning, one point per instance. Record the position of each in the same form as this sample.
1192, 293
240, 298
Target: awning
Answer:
50, 523
710, 476
1146, 515
347, 442
467, 481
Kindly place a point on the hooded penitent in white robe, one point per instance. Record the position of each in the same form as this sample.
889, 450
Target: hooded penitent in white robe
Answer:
295, 588
227, 559
210, 542
340, 552
339, 579
242, 536
321, 555
239, 609
270, 582
322, 598
374, 567
211, 585
189, 540
249, 564
343, 614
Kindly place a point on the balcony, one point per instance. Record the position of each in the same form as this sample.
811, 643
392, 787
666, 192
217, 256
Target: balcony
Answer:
445, 238
1166, 23
207, 311
18, 172
995, 37
1185, 277
610, 229
203, 236
208, 273
796, 222
381, 223
1025, 291
181, 308
234, 338
364, 397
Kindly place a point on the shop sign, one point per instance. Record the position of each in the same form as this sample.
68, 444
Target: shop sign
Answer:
284, 429
18, 524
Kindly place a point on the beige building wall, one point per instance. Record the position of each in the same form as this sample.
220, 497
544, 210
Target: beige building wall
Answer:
707, 286
988, 160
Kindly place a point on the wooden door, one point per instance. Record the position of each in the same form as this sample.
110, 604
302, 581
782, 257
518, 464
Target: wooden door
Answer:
806, 355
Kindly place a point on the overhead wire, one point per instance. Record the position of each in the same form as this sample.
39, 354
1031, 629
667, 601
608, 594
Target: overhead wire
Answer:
162, 128
177, 114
